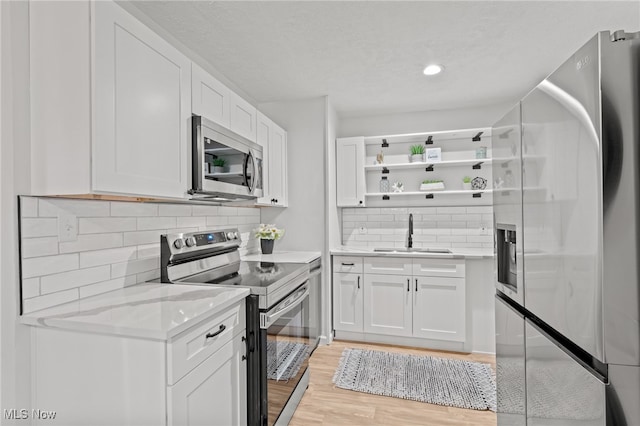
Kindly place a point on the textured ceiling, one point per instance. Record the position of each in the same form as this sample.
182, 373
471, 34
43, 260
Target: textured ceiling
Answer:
368, 56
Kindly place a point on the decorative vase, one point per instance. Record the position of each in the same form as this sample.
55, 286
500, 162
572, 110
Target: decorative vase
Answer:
266, 246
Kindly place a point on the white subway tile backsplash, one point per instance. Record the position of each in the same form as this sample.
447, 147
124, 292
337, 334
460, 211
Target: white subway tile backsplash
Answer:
105, 257
28, 207
193, 222
118, 243
161, 223
36, 247
30, 288
92, 242
39, 266
100, 225
53, 299
143, 237
175, 210
105, 286
39, 227
134, 267
134, 209
71, 279
433, 226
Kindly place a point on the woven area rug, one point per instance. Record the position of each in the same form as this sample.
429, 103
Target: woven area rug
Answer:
284, 359
441, 381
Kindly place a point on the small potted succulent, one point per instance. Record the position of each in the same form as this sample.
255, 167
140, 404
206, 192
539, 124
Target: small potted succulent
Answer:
466, 183
267, 235
218, 165
417, 153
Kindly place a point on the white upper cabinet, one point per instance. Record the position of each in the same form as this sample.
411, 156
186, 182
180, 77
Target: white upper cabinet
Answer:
243, 117
350, 179
210, 98
273, 140
142, 108
110, 101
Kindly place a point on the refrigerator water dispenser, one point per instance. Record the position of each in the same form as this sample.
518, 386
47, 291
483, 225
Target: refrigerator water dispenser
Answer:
506, 250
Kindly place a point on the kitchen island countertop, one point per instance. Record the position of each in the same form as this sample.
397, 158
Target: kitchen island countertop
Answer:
151, 310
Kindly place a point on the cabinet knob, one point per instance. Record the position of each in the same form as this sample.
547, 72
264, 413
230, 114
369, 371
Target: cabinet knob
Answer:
360, 202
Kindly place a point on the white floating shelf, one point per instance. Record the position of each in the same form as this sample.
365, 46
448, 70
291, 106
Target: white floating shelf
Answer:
466, 135
421, 164
220, 175
414, 193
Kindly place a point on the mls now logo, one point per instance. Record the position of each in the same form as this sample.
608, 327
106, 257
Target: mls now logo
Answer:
23, 414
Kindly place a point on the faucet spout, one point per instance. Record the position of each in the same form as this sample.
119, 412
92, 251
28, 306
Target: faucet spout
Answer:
410, 238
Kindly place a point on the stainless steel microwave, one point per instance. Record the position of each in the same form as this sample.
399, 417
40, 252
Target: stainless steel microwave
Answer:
226, 166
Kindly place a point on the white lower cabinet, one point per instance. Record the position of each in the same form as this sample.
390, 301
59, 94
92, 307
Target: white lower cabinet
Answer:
214, 393
428, 304
439, 307
196, 378
347, 301
388, 304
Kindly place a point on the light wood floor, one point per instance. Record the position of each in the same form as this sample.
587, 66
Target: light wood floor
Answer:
325, 404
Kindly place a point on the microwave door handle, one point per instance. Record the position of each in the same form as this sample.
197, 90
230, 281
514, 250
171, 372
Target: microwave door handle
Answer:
269, 318
250, 184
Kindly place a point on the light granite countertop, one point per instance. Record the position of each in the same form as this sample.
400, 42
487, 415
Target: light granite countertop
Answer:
151, 310
284, 257
456, 253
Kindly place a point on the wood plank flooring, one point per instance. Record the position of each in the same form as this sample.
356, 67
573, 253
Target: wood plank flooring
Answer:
325, 404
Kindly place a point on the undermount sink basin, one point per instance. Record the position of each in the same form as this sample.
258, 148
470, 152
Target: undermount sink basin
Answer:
412, 250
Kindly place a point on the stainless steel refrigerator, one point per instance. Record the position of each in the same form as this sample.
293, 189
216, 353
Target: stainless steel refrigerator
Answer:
566, 174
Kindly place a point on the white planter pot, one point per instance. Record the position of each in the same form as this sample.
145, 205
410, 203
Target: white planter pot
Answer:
218, 169
466, 186
438, 186
416, 158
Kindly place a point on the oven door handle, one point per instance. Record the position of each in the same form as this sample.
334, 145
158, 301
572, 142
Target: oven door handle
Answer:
267, 319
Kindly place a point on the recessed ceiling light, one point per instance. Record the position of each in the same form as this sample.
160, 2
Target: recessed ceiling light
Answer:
433, 69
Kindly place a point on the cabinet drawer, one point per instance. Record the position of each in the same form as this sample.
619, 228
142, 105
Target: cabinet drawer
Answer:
347, 264
438, 267
190, 349
388, 265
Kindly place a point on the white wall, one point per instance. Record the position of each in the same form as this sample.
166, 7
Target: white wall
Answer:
303, 220
332, 216
14, 168
425, 121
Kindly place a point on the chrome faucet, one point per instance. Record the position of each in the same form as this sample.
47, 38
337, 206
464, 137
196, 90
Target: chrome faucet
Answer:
410, 239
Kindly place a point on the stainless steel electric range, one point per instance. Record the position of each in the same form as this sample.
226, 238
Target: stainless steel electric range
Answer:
278, 331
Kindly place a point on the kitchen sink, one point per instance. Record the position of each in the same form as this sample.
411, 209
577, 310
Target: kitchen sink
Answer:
412, 250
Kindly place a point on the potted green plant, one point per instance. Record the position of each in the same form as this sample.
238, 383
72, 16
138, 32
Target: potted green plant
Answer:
466, 183
218, 165
417, 153
432, 185
267, 235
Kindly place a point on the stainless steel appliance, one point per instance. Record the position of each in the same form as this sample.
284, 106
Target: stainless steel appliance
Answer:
315, 301
225, 165
566, 199
278, 315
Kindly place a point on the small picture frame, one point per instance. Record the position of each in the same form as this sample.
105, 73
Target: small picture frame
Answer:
433, 155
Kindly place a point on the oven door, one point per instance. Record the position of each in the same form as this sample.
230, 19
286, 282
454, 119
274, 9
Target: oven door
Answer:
286, 347
225, 164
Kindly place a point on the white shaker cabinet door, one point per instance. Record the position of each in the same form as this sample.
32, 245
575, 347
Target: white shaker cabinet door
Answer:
215, 392
350, 180
439, 308
243, 117
277, 167
263, 138
347, 302
388, 304
142, 108
210, 98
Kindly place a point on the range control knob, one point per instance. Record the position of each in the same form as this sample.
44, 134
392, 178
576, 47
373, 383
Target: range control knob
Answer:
191, 241
179, 243
231, 235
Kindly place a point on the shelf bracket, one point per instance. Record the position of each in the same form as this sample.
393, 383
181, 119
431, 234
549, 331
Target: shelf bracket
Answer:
477, 166
428, 196
477, 138
385, 144
385, 197
429, 141
429, 168
477, 195
385, 171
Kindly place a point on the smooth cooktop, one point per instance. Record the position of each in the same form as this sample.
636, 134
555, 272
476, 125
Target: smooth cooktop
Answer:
259, 277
